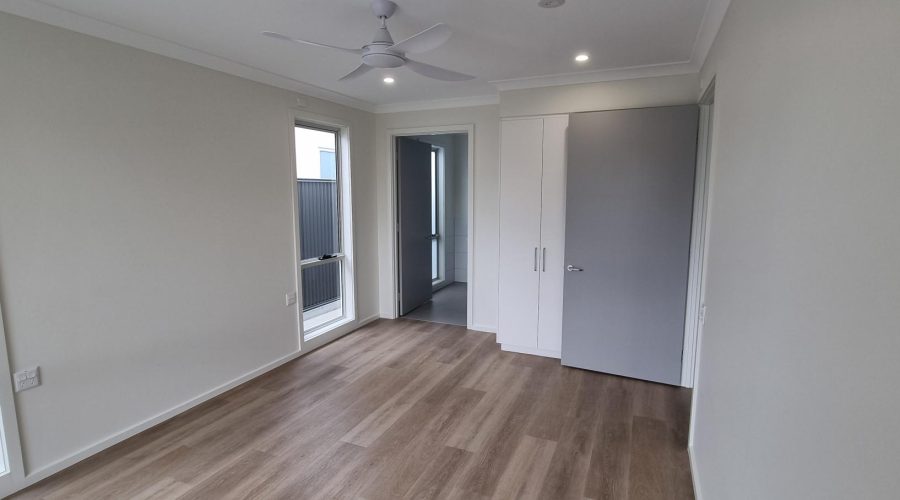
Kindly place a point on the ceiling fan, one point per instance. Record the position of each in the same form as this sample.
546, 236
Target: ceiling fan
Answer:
384, 53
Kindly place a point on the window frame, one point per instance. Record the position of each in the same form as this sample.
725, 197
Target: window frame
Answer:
436, 212
333, 329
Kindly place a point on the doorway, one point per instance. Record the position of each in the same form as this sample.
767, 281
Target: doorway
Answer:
432, 188
629, 203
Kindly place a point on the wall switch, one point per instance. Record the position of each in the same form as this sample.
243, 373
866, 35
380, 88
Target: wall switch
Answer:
290, 298
27, 378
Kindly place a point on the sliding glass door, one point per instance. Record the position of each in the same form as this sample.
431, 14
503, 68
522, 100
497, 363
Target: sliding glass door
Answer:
321, 229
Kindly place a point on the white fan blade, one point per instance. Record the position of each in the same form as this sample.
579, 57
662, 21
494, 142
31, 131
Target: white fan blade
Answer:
436, 73
362, 68
429, 39
307, 42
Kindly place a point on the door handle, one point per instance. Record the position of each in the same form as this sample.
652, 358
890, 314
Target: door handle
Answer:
535, 258
544, 260
573, 269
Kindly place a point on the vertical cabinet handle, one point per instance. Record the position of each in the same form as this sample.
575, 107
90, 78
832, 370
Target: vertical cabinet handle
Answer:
535, 258
544, 260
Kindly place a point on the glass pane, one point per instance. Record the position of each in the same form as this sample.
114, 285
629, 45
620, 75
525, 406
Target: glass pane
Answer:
434, 259
434, 181
322, 298
434, 215
317, 192
318, 196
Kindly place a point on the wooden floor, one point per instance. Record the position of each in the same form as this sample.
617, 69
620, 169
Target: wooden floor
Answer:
407, 409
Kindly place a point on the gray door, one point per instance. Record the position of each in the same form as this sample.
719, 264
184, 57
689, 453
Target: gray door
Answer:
629, 198
414, 212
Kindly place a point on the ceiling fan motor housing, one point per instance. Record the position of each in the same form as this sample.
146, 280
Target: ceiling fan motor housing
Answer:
379, 56
378, 53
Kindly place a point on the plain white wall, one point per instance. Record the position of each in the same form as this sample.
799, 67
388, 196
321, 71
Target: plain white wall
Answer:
797, 394
485, 168
146, 226
460, 209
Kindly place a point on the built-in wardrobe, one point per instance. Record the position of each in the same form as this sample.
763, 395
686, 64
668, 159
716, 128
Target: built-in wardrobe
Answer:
595, 232
532, 237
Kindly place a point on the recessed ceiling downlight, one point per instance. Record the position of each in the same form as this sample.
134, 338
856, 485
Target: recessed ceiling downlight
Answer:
550, 4
388, 80
582, 58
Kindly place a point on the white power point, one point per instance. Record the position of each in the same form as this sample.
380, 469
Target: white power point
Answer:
290, 298
27, 378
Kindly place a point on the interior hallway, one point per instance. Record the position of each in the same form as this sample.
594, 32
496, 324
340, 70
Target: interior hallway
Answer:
405, 409
447, 305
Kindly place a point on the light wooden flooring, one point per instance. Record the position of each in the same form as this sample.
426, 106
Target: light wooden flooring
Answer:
406, 409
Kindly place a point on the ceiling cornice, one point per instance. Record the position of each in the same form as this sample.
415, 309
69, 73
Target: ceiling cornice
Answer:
453, 102
709, 28
56, 16
603, 75
63, 18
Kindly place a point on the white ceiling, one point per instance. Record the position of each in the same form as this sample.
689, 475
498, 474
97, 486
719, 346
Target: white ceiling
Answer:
512, 41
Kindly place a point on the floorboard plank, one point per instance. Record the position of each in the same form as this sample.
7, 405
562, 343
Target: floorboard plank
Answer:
406, 409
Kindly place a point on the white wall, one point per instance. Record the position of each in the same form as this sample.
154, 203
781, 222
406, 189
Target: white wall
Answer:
145, 231
485, 168
601, 96
460, 212
797, 394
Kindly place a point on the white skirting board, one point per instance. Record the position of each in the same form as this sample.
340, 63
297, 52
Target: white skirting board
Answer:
484, 328
159, 418
530, 350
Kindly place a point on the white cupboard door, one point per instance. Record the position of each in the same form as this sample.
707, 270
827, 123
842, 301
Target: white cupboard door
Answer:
553, 234
520, 231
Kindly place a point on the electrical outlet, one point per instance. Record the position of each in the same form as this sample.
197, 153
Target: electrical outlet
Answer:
27, 378
290, 298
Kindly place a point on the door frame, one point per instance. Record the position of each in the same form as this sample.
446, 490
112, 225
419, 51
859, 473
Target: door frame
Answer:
351, 321
14, 479
696, 295
469, 130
